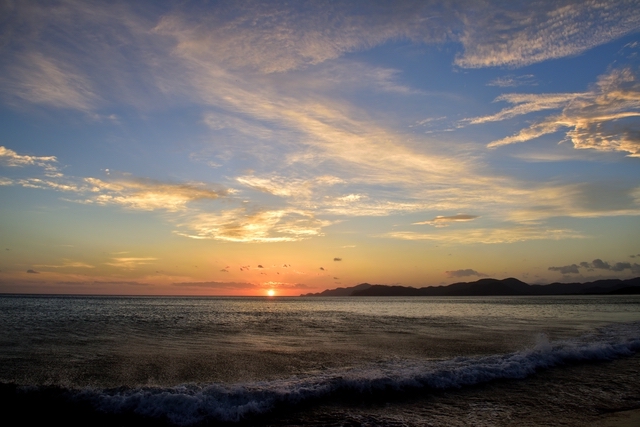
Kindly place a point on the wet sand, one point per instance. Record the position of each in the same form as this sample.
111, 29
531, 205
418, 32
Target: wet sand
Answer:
620, 419
593, 394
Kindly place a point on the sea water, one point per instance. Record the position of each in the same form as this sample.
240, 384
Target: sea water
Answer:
324, 361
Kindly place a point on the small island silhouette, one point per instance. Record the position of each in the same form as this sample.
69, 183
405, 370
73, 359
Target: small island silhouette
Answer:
490, 287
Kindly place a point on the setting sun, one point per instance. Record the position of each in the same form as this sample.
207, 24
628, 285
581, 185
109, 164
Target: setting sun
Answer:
271, 292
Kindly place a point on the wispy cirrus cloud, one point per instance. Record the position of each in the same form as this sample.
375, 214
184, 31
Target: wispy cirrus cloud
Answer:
81, 55
66, 264
514, 81
282, 38
275, 37
583, 200
130, 263
66, 185
525, 104
217, 285
605, 118
445, 221
146, 194
287, 186
123, 190
39, 79
9, 157
540, 31
284, 285
240, 285
242, 225
504, 234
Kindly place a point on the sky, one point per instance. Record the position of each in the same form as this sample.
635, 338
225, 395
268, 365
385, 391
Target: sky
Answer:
242, 147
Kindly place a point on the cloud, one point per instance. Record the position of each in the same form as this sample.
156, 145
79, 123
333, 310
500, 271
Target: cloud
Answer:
584, 200
511, 234
525, 33
107, 282
79, 55
513, 81
146, 194
337, 259
232, 286
216, 285
620, 266
33, 271
11, 158
50, 184
39, 79
129, 263
125, 190
349, 75
67, 264
443, 221
271, 37
567, 269
287, 186
602, 265
598, 264
464, 273
282, 285
525, 104
603, 119
242, 225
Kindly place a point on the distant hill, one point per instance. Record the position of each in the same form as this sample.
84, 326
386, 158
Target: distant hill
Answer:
492, 287
339, 292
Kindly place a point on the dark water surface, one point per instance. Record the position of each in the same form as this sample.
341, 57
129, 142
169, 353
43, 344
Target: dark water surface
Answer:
321, 361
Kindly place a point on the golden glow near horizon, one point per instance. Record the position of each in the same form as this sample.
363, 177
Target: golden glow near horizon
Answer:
204, 156
271, 292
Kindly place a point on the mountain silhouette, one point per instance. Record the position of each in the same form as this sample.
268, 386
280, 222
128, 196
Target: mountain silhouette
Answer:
491, 287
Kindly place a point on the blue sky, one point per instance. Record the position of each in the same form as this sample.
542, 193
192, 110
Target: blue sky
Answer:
239, 147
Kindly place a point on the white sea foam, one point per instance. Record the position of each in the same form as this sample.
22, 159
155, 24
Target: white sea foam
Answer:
192, 404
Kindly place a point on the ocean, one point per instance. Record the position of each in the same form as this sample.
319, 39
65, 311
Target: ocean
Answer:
335, 361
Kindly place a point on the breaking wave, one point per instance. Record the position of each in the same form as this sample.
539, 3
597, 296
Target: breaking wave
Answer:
194, 404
